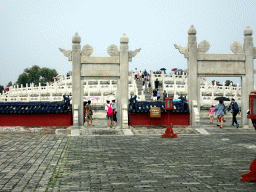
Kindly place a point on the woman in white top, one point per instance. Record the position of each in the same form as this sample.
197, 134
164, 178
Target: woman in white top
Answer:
143, 86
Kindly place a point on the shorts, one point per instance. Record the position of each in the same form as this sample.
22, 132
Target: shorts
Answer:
154, 98
158, 98
211, 115
109, 117
135, 76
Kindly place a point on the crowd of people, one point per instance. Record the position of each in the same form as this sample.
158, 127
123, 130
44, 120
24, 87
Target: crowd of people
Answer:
110, 108
220, 110
145, 77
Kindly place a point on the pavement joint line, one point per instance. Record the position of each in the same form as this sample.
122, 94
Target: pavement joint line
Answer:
202, 131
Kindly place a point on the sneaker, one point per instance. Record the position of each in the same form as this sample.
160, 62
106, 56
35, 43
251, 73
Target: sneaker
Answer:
237, 125
232, 124
113, 127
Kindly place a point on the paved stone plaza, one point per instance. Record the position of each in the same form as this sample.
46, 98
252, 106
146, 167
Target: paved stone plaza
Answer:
192, 162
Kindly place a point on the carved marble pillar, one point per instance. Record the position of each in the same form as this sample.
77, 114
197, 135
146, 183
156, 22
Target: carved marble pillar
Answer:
76, 78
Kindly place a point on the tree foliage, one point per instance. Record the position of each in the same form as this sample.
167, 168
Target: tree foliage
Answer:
9, 84
36, 75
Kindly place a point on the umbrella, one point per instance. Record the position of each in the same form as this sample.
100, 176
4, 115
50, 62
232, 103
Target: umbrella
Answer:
174, 69
162, 69
179, 70
222, 99
54, 77
6, 88
176, 100
92, 98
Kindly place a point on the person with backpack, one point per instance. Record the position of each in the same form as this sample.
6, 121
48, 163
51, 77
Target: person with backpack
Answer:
109, 115
234, 110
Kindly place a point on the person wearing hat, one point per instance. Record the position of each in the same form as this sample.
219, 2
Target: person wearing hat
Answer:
114, 111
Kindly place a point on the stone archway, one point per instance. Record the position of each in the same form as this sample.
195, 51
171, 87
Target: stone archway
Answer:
115, 67
200, 64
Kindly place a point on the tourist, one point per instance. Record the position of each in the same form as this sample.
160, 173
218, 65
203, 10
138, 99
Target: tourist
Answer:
143, 86
148, 77
148, 86
109, 114
211, 113
135, 73
154, 95
158, 95
89, 113
220, 113
145, 74
234, 110
114, 107
140, 75
156, 84
164, 95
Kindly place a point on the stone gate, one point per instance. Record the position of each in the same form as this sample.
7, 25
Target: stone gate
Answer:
86, 67
201, 64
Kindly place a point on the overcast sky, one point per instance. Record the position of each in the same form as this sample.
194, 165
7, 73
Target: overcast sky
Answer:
32, 32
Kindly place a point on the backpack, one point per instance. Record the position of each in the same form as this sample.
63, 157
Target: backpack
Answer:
110, 111
149, 85
235, 106
145, 73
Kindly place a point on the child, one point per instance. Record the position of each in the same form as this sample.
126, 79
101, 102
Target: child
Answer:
211, 113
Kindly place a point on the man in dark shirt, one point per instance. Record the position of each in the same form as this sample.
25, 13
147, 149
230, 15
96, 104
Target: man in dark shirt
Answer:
154, 95
164, 94
156, 83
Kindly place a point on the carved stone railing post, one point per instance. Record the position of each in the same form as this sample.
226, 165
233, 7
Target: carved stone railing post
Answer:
248, 80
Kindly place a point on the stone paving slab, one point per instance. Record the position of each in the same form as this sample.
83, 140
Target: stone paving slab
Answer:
28, 160
195, 162
149, 163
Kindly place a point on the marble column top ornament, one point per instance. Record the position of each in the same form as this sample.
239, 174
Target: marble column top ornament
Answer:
133, 54
182, 50
236, 47
203, 46
87, 50
192, 30
247, 31
76, 38
67, 53
113, 50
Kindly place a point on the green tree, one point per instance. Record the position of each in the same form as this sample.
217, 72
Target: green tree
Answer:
47, 74
9, 84
36, 75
